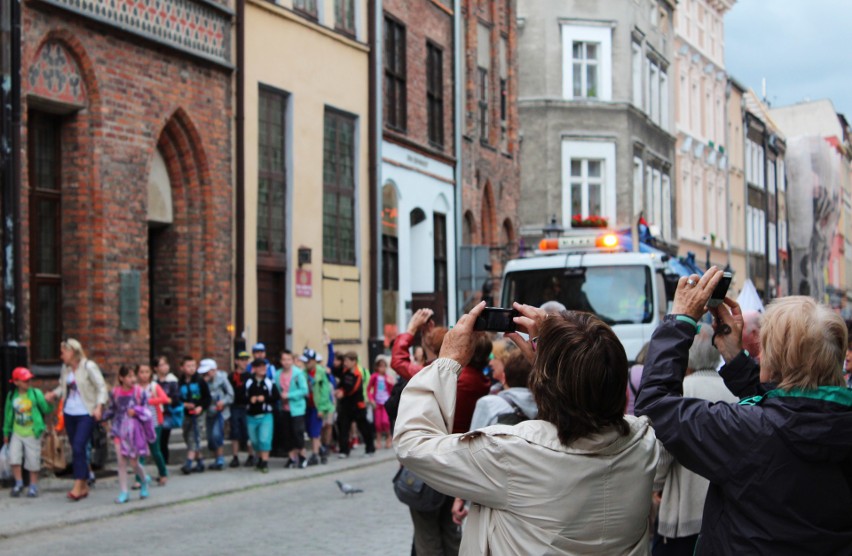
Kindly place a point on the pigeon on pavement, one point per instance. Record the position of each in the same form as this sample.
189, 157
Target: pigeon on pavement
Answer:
347, 489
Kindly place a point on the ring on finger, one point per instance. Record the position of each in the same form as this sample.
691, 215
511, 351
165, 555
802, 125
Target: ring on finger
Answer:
690, 282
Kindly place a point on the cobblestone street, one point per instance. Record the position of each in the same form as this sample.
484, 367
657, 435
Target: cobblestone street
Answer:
308, 516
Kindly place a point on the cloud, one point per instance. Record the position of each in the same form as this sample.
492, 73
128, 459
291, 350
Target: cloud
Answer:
799, 46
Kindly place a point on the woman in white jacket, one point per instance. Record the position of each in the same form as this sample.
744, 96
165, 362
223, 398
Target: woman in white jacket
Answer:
576, 481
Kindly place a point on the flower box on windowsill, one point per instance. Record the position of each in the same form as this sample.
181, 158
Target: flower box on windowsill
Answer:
592, 221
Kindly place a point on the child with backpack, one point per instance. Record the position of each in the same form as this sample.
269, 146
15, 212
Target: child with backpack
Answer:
132, 429
514, 404
23, 426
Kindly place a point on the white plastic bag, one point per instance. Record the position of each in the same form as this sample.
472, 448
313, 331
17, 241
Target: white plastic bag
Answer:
5, 467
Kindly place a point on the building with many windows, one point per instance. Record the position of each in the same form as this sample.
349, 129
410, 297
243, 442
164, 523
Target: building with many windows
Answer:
418, 162
125, 198
490, 145
303, 184
595, 108
700, 113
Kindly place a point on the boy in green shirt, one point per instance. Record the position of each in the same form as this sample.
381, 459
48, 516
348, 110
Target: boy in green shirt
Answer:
22, 429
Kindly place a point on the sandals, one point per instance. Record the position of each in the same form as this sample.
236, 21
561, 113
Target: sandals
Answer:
76, 497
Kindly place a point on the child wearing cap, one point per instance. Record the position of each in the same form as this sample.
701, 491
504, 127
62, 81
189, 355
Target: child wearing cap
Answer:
239, 428
221, 397
262, 397
22, 428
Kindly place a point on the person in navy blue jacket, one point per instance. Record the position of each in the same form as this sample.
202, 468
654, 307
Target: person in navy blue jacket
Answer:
779, 462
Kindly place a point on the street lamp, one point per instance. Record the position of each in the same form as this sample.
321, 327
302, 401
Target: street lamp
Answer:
553, 229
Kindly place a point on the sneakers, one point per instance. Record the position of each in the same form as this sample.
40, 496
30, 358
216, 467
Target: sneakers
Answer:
32, 492
122, 498
186, 468
217, 466
314, 460
324, 451
250, 461
323, 460
303, 463
143, 488
17, 490
263, 466
370, 454
290, 464
235, 462
341, 455
199, 467
92, 479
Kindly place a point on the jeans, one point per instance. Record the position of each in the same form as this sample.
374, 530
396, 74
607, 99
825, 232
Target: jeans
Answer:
435, 533
192, 433
79, 429
215, 432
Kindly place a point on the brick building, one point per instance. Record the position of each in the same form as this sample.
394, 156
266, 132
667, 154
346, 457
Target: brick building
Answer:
418, 148
125, 187
490, 144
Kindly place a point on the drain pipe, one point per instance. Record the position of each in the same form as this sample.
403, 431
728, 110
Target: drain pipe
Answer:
239, 182
458, 121
375, 177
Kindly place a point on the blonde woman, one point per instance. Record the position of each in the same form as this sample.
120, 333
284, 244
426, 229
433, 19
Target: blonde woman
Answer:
84, 393
779, 461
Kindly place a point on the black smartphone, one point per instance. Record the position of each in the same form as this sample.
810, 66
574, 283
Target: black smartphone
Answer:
721, 290
496, 319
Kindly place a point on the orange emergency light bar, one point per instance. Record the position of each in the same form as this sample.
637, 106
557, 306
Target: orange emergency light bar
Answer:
602, 241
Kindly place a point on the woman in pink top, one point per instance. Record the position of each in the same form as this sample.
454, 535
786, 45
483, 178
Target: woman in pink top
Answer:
157, 398
378, 392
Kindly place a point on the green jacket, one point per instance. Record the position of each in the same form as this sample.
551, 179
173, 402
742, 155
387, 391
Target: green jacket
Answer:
40, 409
321, 390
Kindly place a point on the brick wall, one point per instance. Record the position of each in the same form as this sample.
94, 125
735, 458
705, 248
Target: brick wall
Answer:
139, 96
424, 20
490, 169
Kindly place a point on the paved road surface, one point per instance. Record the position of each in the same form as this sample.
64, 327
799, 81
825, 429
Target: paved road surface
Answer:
304, 517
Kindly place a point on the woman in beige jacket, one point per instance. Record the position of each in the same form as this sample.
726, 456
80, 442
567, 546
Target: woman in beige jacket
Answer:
84, 393
576, 481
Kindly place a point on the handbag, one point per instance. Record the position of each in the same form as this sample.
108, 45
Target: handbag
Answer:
414, 493
53, 451
100, 446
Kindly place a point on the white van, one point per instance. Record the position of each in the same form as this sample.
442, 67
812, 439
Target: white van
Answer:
591, 272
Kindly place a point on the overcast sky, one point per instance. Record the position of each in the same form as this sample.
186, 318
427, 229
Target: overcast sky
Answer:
801, 47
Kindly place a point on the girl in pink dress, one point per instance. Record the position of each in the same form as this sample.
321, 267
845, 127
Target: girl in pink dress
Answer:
378, 392
132, 429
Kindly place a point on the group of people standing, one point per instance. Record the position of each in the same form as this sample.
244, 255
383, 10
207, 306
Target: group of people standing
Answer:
263, 408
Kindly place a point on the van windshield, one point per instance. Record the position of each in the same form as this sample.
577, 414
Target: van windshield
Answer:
616, 294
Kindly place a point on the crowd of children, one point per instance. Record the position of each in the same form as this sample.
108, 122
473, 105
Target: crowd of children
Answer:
261, 408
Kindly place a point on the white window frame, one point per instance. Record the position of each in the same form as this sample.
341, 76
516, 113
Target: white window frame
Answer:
666, 225
589, 150
654, 91
589, 34
664, 99
638, 172
636, 66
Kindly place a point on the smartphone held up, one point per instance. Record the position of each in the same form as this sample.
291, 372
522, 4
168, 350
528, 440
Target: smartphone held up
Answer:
718, 296
496, 319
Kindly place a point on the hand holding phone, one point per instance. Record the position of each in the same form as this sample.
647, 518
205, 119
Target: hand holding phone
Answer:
718, 295
496, 319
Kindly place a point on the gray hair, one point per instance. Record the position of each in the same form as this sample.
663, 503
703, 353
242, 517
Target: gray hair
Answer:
703, 354
553, 307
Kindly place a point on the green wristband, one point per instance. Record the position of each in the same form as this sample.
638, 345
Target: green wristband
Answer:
689, 320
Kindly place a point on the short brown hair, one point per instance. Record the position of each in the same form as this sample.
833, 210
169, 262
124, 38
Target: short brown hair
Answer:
803, 343
351, 355
481, 351
517, 371
579, 378
434, 339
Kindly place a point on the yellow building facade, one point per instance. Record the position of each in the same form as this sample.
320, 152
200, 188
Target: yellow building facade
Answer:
306, 117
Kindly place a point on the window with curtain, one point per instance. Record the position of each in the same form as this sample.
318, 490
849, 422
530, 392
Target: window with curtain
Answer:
344, 16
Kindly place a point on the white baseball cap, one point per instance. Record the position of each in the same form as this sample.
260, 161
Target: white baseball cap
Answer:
206, 366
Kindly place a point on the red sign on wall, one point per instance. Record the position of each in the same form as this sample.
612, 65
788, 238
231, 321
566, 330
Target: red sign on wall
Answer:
303, 284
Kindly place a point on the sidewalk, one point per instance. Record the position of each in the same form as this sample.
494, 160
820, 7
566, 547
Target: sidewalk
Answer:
52, 510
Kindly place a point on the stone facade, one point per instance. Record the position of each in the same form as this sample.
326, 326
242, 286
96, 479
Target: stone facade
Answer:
596, 114
490, 157
118, 105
